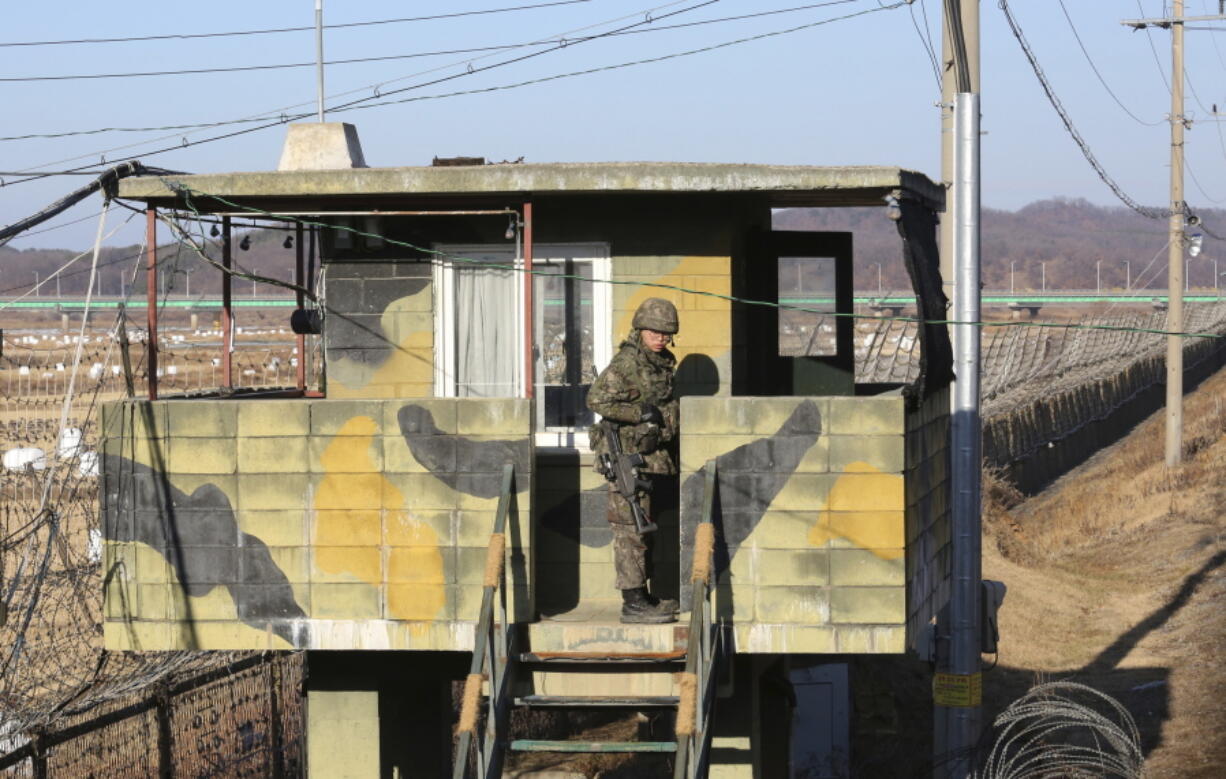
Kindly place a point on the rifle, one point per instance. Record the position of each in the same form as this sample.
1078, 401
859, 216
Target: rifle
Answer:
621, 470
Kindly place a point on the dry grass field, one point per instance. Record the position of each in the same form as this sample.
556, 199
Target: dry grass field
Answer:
1117, 579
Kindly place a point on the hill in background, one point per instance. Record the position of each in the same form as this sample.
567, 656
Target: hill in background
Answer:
1070, 237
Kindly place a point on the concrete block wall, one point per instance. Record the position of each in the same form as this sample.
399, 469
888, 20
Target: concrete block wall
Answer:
703, 346
379, 329
320, 524
928, 511
810, 518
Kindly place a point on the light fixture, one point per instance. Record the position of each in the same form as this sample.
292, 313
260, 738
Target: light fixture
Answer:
288, 243
510, 233
892, 209
1195, 241
372, 227
214, 232
245, 244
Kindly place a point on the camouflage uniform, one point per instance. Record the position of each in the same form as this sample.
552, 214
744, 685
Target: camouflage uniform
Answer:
637, 376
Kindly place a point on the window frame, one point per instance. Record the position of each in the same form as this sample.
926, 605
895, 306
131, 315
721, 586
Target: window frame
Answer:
596, 253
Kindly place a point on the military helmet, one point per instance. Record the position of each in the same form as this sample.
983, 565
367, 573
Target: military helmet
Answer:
656, 314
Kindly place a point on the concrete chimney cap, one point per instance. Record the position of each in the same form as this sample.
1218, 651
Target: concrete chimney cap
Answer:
321, 146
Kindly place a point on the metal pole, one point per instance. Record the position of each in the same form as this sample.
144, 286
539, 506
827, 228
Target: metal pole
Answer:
319, 55
1187, 275
300, 280
1174, 286
151, 300
1098, 276
529, 361
969, 15
878, 279
965, 710
1011, 267
966, 14
1043, 274
227, 313
1127, 275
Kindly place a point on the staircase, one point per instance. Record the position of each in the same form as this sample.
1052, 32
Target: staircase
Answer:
587, 659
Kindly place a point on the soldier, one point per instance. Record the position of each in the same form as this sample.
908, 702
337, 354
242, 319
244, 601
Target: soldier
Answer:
636, 391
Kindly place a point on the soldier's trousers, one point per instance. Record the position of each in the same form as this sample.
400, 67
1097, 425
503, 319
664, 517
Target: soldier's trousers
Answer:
630, 549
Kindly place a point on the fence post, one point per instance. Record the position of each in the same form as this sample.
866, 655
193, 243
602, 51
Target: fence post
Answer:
274, 706
165, 737
38, 758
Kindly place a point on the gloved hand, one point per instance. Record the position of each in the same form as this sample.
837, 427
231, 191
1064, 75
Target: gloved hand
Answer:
650, 413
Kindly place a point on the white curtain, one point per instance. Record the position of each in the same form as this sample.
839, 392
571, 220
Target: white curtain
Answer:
487, 348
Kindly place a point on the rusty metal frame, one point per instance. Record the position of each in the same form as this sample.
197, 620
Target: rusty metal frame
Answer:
151, 294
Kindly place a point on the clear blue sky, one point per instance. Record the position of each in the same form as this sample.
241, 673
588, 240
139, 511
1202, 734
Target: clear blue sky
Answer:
858, 91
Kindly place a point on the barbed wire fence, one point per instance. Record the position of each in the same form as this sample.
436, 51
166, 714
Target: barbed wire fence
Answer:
68, 707
66, 704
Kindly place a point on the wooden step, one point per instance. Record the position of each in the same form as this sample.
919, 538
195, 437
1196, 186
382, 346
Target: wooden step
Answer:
534, 745
598, 701
603, 658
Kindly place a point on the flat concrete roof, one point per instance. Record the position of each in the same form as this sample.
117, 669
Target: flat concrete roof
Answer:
780, 185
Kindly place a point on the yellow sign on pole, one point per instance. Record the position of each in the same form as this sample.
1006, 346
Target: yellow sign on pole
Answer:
957, 690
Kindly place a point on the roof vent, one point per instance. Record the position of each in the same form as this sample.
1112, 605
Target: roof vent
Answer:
322, 146
456, 162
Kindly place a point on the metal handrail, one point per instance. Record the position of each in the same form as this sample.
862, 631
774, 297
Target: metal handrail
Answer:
493, 642
697, 699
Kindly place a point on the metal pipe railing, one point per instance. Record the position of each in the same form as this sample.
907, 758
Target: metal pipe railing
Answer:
492, 649
696, 702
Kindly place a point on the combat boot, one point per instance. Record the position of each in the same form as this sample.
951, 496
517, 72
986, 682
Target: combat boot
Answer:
664, 603
636, 608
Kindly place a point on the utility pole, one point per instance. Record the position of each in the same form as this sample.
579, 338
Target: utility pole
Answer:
1174, 311
1176, 270
1127, 275
957, 682
1098, 276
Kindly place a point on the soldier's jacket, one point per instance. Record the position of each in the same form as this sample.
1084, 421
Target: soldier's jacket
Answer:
635, 376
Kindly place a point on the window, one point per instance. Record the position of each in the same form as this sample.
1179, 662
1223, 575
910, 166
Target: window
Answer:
807, 283
479, 325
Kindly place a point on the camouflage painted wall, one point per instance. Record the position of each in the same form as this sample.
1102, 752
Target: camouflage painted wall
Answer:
810, 518
379, 329
323, 524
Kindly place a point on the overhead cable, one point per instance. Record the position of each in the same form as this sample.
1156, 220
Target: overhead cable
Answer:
107, 181
359, 60
275, 30
350, 106
1097, 73
1146, 211
643, 16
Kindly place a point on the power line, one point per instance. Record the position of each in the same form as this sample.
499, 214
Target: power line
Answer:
926, 41
358, 60
620, 65
1097, 73
275, 30
187, 193
360, 104
1146, 211
1154, 50
645, 15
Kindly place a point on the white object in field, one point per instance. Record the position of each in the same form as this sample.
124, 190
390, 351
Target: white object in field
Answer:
216, 361
24, 370
25, 458
249, 372
114, 370
89, 464
70, 442
173, 370
95, 545
95, 370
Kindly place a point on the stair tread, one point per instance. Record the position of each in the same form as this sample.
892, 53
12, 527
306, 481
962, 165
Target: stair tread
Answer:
603, 657
536, 745
597, 700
